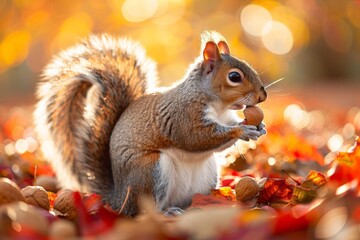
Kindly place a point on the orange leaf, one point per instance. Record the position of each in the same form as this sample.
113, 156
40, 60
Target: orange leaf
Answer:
275, 191
227, 192
51, 197
314, 180
348, 165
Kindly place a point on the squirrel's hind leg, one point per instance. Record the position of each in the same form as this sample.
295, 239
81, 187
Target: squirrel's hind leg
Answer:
133, 179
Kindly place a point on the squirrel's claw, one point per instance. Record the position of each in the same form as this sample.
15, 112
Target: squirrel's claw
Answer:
249, 132
261, 129
252, 132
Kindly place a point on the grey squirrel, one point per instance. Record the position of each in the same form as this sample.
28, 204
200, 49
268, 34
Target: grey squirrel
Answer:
105, 132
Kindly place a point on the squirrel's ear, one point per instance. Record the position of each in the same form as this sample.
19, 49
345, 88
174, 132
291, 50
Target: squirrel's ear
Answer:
211, 55
224, 47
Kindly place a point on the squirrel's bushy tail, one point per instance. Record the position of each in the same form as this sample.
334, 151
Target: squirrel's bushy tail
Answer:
83, 92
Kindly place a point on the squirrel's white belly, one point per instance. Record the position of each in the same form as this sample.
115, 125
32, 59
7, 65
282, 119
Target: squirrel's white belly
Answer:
185, 174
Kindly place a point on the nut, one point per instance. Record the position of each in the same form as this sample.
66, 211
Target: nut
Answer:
49, 183
253, 115
64, 203
36, 196
10, 192
246, 189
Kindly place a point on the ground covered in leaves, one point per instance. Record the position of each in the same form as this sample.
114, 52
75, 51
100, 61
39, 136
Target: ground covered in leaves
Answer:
300, 181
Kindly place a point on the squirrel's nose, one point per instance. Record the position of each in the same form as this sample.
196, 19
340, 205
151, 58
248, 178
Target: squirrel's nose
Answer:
262, 95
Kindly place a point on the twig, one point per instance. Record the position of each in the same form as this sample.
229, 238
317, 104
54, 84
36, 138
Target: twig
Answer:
35, 173
297, 182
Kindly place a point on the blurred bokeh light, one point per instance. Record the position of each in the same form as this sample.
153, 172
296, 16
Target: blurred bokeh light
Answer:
314, 45
307, 42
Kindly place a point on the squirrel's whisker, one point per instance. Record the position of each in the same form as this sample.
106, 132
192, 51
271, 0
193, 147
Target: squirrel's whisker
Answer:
275, 82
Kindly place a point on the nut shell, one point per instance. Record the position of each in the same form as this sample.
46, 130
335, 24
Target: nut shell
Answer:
253, 115
48, 183
246, 189
64, 203
36, 196
10, 192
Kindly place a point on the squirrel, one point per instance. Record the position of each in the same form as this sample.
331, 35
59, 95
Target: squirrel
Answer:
106, 131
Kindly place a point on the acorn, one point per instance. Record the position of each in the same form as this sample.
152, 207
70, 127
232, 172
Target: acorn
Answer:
36, 196
253, 115
10, 192
246, 189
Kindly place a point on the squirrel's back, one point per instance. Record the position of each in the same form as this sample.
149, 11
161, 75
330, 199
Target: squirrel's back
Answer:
83, 92
104, 135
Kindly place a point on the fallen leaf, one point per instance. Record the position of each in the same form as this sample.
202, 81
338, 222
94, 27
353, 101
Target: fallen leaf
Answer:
227, 192
212, 200
347, 166
275, 191
51, 197
307, 191
93, 203
302, 195
92, 224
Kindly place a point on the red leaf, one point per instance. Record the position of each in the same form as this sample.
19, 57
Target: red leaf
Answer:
275, 191
230, 178
228, 181
92, 224
93, 203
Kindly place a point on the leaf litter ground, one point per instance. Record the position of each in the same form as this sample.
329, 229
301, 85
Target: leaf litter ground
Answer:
307, 169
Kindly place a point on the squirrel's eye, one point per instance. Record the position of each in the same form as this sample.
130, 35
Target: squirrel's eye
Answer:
235, 77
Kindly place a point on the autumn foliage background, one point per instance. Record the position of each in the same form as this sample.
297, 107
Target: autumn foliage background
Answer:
311, 115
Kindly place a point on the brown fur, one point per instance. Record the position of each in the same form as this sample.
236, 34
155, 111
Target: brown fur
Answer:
119, 147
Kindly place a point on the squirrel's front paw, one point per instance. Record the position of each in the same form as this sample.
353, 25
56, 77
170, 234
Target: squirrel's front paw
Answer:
261, 129
250, 132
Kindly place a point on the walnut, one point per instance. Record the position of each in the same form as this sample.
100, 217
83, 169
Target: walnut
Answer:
246, 189
253, 115
10, 192
64, 203
37, 196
